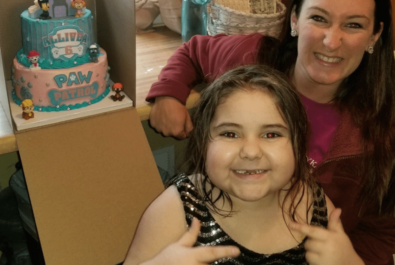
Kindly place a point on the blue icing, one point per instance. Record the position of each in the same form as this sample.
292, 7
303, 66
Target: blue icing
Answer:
29, 85
18, 101
49, 64
25, 93
23, 79
57, 97
57, 39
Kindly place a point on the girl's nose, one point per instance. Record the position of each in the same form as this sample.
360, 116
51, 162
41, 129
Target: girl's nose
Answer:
251, 149
333, 38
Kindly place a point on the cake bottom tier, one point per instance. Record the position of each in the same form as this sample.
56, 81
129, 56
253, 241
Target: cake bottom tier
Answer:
61, 89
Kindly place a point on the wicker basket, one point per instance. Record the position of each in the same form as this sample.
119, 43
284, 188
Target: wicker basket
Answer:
223, 19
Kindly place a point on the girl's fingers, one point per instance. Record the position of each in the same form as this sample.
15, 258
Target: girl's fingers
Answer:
313, 258
190, 237
334, 222
313, 232
211, 254
314, 246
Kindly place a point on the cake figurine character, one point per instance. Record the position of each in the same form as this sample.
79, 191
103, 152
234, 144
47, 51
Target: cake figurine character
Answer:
44, 4
79, 5
32, 9
33, 57
93, 52
27, 109
117, 87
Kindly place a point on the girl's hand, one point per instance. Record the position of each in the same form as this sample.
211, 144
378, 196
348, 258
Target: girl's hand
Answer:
328, 246
183, 252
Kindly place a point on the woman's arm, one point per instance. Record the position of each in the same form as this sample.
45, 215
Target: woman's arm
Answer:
374, 240
201, 59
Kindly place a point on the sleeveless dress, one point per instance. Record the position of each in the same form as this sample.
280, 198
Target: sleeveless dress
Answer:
211, 233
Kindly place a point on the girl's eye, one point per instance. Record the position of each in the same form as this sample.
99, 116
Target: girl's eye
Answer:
318, 18
230, 135
271, 135
354, 25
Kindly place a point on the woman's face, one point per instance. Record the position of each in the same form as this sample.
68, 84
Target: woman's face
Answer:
333, 37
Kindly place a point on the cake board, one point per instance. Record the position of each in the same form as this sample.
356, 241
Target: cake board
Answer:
48, 118
89, 181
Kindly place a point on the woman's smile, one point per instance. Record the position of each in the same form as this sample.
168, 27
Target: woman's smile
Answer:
328, 59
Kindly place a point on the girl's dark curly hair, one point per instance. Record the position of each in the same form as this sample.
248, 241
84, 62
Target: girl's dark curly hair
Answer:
249, 78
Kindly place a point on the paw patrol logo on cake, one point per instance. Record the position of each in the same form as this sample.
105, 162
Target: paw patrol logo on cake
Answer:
57, 96
66, 42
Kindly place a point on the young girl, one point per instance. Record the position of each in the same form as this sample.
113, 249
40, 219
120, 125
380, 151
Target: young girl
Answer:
247, 182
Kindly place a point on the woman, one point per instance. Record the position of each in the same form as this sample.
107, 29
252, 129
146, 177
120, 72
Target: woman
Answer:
339, 56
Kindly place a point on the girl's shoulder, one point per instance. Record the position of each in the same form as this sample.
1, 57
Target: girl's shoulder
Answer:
162, 223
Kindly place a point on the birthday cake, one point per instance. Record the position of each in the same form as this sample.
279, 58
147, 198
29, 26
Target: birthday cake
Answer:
60, 66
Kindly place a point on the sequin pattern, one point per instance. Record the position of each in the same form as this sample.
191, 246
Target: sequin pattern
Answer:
211, 233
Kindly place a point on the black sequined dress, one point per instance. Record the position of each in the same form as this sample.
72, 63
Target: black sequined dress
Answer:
211, 233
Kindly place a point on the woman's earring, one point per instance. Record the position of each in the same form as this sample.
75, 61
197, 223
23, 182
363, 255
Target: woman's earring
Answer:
370, 50
294, 33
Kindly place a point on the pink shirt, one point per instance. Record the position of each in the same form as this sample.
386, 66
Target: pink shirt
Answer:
323, 119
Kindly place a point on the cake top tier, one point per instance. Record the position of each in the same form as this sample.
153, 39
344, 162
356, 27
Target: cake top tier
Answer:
60, 42
57, 8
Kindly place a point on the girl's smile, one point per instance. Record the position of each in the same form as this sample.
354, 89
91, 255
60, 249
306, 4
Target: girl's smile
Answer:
250, 174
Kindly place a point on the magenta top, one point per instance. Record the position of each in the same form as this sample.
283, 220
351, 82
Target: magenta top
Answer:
323, 119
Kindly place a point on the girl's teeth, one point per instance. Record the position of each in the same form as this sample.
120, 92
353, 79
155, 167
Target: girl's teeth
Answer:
249, 172
327, 59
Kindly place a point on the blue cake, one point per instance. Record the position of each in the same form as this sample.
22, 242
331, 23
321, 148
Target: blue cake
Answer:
60, 66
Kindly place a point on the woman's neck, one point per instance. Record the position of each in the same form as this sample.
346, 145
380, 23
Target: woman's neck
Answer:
318, 92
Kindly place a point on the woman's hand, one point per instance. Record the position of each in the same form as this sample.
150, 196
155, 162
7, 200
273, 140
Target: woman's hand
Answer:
183, 252
328, 246
171, 118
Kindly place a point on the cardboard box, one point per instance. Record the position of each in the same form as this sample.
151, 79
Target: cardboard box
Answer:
89, 178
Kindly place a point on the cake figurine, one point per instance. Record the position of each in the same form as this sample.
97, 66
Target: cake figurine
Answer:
93, 52
33, 57
117, 87
44, 4
27, 109
79, 5
34, 8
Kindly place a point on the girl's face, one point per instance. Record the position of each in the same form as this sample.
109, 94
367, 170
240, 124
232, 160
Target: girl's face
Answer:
250, 155
333, 37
